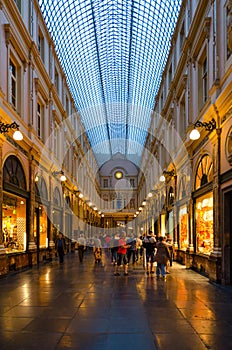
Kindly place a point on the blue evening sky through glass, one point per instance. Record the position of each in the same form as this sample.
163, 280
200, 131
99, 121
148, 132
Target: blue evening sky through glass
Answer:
113, 53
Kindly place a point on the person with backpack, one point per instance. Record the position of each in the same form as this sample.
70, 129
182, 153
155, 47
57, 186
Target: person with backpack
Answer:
149, 244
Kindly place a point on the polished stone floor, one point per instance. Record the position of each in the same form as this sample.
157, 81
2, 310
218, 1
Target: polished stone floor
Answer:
84, 306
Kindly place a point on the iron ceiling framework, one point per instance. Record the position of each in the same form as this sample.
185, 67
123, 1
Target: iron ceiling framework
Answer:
113, 53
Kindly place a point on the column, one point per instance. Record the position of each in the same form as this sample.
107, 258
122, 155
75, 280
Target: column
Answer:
31, 242
3, 256
2, 248
217, 197
51, 243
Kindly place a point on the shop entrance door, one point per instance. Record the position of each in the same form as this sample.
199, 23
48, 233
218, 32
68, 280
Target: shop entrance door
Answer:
227, 244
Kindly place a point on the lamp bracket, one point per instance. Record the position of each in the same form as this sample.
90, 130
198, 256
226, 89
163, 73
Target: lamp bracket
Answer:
209, 126
170, 173
4, 128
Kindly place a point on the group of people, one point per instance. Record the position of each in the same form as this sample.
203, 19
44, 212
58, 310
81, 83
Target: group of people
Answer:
158, 250
124, 249
154, 250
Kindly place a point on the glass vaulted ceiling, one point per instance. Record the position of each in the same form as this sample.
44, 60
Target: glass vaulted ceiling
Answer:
113, 53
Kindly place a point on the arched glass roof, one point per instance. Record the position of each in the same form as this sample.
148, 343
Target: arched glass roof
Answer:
113, 53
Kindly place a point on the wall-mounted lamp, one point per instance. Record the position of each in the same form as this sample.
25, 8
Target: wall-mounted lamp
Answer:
209, 126
5, 128
61, 173
170, 173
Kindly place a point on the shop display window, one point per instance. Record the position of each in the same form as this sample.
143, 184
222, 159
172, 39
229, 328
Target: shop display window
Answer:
14, 223
183, 227
204, 223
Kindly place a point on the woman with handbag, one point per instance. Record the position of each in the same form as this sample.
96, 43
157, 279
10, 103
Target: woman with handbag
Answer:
161, 257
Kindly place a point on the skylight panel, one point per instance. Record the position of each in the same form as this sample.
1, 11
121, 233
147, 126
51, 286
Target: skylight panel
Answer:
113, 53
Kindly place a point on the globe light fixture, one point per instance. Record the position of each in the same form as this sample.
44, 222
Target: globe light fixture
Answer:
61, 173
194, 135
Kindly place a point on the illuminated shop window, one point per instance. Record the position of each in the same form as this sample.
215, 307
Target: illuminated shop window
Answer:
204, 223
183, 227
14, 223
204, 207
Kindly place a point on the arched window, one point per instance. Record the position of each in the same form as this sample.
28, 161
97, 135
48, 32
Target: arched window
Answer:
67, 202
204, 173
41, 189
13, 173
162, 202
182, 187
56, 198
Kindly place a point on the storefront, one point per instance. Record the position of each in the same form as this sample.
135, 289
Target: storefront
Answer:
14, 208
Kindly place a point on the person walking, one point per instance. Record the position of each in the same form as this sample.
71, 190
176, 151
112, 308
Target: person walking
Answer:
122, 255
81, 246
131, 252
149, 244
114, 248
60, 247
161, 257
170, 245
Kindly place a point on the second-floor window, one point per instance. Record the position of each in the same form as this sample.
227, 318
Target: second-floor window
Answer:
105, 183
19, 5
182, 121
13, 85
56, 82
182, 34
205, 80
41, 45
202, 81
132, 182
40, 121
